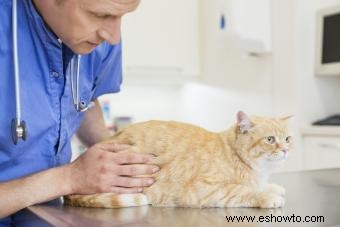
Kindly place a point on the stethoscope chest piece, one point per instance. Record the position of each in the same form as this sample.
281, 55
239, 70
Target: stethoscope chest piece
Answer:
18, 130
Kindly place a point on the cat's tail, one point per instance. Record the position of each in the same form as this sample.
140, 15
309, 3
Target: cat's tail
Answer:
107, 200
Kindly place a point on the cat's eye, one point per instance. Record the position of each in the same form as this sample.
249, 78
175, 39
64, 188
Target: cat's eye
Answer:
288, 139
270, 139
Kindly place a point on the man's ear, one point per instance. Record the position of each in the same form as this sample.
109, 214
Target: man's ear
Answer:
243, 122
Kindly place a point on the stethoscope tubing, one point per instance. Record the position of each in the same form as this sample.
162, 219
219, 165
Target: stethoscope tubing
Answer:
75, 72
16, 62
18, 126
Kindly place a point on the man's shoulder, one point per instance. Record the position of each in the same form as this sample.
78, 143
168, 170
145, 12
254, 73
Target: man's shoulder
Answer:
6, 3
5, 8
5, 22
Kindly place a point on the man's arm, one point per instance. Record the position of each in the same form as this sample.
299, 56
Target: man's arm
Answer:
102, 168
92, 129
43, 186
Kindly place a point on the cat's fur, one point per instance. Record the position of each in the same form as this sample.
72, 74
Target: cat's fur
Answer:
200, 168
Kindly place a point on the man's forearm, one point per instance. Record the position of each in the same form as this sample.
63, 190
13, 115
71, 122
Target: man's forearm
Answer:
40, 187
92, 129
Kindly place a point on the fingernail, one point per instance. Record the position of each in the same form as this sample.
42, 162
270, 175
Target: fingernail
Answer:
150, 181
140, 189
155, 169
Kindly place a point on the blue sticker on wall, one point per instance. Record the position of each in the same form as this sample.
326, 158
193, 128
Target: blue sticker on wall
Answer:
222, 22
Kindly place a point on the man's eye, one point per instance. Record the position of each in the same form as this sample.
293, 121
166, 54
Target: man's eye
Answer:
288, 139
103, 16
270, 139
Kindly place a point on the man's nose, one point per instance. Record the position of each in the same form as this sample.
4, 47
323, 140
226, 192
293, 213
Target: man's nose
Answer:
111, 30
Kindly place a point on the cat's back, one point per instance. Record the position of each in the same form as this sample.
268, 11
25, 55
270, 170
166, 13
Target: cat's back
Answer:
163, 125
161, 135
161, 129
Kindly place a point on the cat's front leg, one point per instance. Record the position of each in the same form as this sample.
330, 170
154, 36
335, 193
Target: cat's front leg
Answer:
244, 196
275, 189
261, 200
271, 201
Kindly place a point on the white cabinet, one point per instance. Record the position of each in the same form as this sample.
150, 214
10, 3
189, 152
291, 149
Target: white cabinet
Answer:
247, 23
162, 37
321, 152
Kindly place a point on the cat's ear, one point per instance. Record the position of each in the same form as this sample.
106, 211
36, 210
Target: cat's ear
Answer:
286, 117
243, 122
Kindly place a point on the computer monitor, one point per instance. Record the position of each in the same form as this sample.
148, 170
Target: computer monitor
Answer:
328, 41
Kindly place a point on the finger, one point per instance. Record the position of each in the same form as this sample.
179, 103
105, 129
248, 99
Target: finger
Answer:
114, 147
122, 190
137, 169
130, 182
132, 158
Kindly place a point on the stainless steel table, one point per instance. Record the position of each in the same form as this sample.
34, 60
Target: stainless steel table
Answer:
309, 193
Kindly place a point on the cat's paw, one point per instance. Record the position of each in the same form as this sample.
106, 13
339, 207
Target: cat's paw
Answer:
275, 189
271, 201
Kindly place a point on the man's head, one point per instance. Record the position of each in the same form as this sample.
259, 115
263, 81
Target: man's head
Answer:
84, 24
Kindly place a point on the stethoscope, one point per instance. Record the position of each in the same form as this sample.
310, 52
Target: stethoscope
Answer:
18, 126
80, 106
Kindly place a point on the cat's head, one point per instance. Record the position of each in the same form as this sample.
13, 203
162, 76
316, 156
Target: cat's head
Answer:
262, 142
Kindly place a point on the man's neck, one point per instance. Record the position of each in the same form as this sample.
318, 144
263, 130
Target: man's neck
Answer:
39, 7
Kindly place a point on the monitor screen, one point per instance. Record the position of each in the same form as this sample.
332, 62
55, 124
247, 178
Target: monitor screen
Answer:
331, 39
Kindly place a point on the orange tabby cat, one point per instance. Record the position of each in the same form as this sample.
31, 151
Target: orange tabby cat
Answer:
204, 169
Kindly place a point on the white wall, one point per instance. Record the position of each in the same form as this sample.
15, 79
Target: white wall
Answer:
146, 102
215, 108
210, 107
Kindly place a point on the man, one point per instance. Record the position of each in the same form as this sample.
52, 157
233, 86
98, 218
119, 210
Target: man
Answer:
50, 33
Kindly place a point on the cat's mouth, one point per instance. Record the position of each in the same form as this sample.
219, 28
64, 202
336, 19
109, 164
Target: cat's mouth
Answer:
278, 157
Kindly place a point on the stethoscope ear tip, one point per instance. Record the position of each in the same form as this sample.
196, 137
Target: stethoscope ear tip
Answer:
19, 130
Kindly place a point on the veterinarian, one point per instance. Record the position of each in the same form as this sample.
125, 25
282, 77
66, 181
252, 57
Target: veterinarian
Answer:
56, 58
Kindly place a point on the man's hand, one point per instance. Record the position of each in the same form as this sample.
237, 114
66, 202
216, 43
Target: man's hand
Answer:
110, 168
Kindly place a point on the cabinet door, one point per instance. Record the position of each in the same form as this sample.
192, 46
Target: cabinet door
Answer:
162, 35
248, 24
321, 152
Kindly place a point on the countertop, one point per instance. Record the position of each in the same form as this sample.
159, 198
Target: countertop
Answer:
314, 130
309, 193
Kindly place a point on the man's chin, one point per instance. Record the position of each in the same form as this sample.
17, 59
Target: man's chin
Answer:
83, 48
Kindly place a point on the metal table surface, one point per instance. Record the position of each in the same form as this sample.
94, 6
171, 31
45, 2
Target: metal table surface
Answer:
309, 193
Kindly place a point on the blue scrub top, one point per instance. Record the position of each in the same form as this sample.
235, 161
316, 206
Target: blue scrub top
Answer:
46, 98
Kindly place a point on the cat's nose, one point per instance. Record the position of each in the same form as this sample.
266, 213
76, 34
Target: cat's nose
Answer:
285, 151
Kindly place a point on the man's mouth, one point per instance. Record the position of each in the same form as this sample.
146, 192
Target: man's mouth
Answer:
93, 43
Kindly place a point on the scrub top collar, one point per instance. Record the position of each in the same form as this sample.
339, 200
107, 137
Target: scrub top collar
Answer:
41, 27
48, 36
